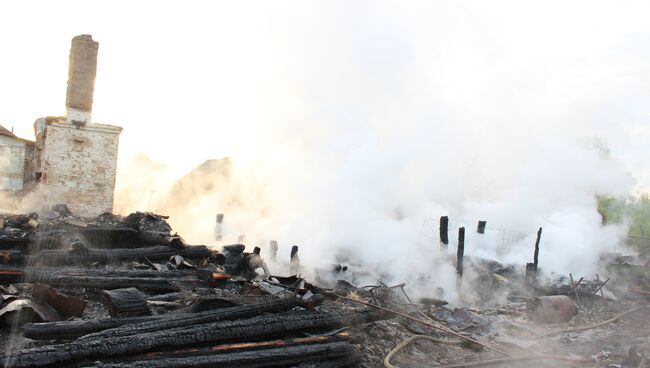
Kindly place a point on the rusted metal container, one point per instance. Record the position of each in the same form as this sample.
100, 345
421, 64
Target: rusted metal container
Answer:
551, 309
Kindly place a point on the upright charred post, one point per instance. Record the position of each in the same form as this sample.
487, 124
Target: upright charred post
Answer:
444, 231
480, 228
460, 252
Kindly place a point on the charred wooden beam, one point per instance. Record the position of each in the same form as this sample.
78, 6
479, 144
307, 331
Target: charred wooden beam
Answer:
16, 243
536, 255
257, 328
12, 274
68, 330
125, 273
190, 319
235, 347
73, 329
460, 251
77, 271
288, 356
444, 230
90, 255
99, 237
294, 263
129, 302
109, 283
480, 228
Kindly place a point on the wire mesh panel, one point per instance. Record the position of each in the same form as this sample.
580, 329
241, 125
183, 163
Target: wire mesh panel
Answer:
499, 240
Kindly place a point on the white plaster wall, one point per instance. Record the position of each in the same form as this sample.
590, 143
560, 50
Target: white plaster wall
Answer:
12, 163
79, 166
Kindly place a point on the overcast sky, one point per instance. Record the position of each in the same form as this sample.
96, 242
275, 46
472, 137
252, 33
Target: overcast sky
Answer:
194, 80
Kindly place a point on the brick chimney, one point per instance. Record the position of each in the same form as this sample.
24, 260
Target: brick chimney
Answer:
81, 79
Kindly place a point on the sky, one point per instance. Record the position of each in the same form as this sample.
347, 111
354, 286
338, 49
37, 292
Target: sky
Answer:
352, 122
222, 75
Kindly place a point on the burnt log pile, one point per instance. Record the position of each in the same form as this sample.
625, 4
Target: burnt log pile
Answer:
125, 292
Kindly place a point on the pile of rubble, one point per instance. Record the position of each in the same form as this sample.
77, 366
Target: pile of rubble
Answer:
125, 292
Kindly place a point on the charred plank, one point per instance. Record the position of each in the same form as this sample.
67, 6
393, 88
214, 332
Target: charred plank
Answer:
74, 329
89, 255
276, 357
232, 348
257, 328
158, 284
190, 319
68, 330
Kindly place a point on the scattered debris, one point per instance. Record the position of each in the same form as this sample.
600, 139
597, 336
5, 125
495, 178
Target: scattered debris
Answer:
83, 295
126, 302
551, 309
20, 311
67, 306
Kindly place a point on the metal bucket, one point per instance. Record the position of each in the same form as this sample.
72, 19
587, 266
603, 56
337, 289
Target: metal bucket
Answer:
551, 309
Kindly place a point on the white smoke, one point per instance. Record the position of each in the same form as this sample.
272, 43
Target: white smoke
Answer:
349, 124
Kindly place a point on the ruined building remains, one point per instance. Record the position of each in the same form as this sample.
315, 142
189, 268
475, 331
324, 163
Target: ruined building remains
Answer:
16, 162
75, 158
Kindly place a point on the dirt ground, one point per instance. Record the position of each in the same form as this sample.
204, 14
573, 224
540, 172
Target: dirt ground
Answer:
606, 346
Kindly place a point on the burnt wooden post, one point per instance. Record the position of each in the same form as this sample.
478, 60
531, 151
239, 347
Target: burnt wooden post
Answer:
481, 227
218, 228
256, 250
444, 230
531, 268
536, 256
273, 249
294, 264
461, 251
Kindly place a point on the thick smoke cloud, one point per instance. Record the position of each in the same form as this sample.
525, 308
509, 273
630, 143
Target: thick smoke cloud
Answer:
350, 124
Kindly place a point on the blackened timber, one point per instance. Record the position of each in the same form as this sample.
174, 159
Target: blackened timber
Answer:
126, 273
257, 328
75, 329
110, 283
234, 347
480, 228
460, 251
126, 302
99, 237
189, 319
288, 356
10, 274
536, 255
68, 330
90, 255
17, 243
77, 271
444, 230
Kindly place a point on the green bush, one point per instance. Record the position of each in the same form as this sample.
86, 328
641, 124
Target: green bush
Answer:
635, 210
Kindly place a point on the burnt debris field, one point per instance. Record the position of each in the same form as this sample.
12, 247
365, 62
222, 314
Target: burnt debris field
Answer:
115, 291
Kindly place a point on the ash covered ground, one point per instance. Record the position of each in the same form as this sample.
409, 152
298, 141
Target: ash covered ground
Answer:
125, 291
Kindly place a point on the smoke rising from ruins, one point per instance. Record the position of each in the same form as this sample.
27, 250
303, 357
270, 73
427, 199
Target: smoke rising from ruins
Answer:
347, 135
361, 142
